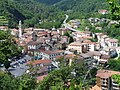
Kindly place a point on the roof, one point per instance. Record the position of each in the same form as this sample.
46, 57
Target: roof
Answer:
86, 41
106, 73
105, 56
33, 43
76, 44
42, 70
70, 56
113, 40
57, 57
95, 88
52, 52
94, 53
39, 62
85, 55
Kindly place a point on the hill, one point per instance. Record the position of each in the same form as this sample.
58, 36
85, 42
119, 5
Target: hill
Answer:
82, 5
49, 2
29, 11
77, 8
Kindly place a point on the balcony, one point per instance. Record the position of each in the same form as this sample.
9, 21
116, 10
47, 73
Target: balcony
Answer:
104, 88
116, 88
115, 84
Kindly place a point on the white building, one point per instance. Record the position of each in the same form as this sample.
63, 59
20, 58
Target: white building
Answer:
111, 42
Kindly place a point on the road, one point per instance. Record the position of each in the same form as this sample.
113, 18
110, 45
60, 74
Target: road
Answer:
67, 25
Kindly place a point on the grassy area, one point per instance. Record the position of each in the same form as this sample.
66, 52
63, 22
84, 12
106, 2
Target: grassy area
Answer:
79, 29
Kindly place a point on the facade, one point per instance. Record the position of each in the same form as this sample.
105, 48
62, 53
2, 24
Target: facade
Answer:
104, 80
33, 45
82, 47
44, 66
76, 46
111, 42
51, 54
45, 54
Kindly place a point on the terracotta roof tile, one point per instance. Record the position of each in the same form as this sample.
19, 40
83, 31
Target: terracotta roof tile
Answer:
106, 73
39, 62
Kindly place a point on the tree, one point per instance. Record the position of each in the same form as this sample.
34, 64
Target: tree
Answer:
24, 82
7, 82
8, 48
114, 64
67, 78
114, 9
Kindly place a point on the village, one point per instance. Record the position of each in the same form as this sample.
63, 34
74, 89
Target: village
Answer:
42, 47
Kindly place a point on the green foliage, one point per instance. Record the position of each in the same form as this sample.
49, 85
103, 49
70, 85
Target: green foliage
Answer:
114, 9
49, 2
64, 79
7, 48
26, 82
30, 12
116, 78
70, 37
82, 6
114, 64
3, 21
8, 82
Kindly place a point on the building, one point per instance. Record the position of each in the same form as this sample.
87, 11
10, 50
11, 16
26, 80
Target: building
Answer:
47, 54
3, 28
96, 54
33, 45
105, 81
111, 42
77, 46
43, 66
103, 12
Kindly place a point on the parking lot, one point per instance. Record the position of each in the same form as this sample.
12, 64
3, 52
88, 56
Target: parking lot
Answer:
19, 67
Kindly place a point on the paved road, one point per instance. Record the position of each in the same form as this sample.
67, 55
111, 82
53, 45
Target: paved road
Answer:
20, 69
67, 25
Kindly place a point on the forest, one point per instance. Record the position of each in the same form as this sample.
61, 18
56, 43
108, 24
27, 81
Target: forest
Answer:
32, 13
47, 13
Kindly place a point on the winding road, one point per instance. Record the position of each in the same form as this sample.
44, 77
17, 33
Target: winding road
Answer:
67, 25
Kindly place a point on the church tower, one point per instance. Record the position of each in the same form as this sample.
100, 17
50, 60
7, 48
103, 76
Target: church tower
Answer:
20, 29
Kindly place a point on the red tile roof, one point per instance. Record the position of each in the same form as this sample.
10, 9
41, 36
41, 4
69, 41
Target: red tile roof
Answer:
52, 52
106, 73
39, 62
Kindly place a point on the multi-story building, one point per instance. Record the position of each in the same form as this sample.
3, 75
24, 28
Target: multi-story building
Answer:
51, 54
82, 47
105, 81
43, 66
33, 45
111, 42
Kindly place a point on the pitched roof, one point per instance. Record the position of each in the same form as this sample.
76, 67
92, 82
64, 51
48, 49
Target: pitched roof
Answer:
52, 52
39, 62
70, 56
94, 53
33, 43
106, 73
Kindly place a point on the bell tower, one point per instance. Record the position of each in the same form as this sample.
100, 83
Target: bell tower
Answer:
20, 29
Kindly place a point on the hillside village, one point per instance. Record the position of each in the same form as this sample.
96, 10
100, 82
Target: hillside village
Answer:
59, 44
42, 48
